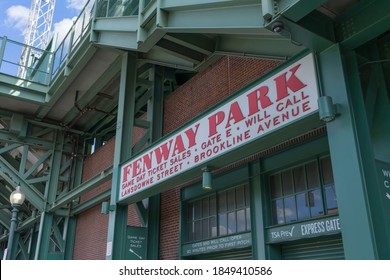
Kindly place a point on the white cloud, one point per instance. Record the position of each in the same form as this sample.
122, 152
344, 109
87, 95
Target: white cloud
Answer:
17, 17
76, 4
62, 28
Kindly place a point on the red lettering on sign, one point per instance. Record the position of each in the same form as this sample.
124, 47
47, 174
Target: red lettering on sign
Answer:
235, 114
191, 135
214, 121
162, 152
293, 83
258, 98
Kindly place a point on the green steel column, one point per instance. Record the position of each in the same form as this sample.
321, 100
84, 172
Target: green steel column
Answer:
156, 118
70, 238
77, 171
257, 218
46, 222
351, 153
371, 151
117, 222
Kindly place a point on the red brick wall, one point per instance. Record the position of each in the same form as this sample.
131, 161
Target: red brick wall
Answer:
203, 91
91, 235
92, 226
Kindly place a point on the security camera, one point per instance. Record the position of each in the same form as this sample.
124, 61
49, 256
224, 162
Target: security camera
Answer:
277, 26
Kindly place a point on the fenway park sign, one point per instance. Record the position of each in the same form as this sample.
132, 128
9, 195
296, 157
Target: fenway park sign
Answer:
281, 99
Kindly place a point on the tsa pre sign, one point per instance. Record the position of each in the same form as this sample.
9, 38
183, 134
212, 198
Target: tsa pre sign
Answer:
283, 98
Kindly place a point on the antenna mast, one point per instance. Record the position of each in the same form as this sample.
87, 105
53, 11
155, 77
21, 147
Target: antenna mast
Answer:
38, 32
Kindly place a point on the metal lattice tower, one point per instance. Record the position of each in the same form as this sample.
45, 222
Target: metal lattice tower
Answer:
38, 32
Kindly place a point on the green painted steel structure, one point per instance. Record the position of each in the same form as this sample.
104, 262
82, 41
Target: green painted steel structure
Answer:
118, 62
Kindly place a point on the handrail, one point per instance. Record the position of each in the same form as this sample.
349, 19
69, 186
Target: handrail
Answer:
43, 65
10, 61
73, 38
116, 8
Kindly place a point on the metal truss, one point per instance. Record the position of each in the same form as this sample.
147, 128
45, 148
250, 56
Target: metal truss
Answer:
46, 161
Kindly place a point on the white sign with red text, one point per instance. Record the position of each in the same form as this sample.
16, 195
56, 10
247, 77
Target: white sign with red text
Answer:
283, 98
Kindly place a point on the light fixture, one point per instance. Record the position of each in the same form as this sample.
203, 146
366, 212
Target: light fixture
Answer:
16, 198
106, 207
326, 108
207, 183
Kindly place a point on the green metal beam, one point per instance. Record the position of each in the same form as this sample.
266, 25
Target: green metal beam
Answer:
160, 56
28, 223
271, 46
38, 143
55, 167
70, 238
196, 42
371, 19
96, 200
172, 5
9, 148
117, 32
155, 116
18, 89
45, 227
5, 218
377, 205
297, 9
23, 249
97, 180
58, 236
306, 35
47, 222
57, 127
117, 222
118, 39
7, 137
240, 19
9, 174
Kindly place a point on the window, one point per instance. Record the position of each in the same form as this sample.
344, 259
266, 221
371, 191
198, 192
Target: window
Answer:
303, 192
222, 213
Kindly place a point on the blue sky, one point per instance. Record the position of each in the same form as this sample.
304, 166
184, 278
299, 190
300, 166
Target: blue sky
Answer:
14, 17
